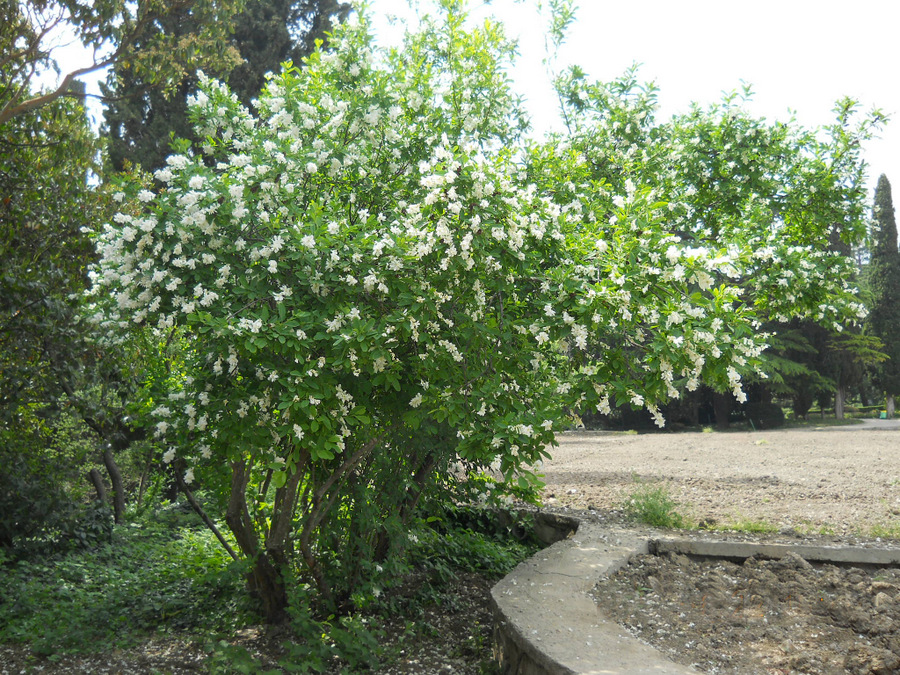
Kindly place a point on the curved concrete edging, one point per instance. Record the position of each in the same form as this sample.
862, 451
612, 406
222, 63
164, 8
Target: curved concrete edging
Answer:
546, 623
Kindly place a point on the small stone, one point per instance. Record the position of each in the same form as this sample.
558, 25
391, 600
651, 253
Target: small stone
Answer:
883, 599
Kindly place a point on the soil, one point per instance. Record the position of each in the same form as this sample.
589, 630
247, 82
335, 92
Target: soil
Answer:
840, 481
762, 616
838, 485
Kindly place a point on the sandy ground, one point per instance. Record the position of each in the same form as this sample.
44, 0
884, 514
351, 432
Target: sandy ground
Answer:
762, 617
829, 480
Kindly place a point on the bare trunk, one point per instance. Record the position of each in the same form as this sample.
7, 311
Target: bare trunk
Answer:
889, 406
839, 395
265, 579
408, 505
203, 515
118, 485
722, 410
97, 481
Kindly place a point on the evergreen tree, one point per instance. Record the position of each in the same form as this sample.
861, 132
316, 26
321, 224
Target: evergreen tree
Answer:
141, 119
884, 286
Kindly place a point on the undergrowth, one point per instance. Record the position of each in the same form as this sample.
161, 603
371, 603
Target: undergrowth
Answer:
167, 575
148, 578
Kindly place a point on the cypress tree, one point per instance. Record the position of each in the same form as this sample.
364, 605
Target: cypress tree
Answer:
884, 286
140, 120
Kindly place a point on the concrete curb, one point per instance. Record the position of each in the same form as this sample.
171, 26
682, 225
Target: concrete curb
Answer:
731, 550
546, 623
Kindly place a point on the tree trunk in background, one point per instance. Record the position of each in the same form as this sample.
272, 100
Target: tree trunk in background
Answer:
721, 409
118, 485
889, 406
97, 482
839, 397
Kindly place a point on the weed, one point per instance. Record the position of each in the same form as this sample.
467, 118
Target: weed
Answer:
809, 528
654, 506
749, 526
891, 531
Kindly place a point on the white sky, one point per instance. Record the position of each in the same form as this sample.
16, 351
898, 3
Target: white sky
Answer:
800, 55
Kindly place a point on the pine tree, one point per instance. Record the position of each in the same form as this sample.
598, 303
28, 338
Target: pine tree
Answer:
141, 120
884, 287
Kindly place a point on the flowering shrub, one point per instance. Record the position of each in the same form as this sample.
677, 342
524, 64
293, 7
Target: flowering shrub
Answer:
375, 286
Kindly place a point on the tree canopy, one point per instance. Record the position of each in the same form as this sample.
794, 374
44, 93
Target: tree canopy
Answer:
883, 281
375, 270
141, 119
31, 31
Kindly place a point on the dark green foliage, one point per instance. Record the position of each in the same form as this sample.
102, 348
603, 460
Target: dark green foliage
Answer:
168, 574
45, 201
146, 579
764, 415
884, 287
31, 30
141, 120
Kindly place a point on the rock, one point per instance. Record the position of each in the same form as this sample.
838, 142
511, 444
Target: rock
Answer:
882, 586
882, 599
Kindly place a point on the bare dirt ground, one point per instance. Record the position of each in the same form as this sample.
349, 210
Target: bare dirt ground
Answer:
830, 485
831, 480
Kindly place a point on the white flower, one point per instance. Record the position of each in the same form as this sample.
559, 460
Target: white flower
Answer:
416, 401
308, 241
196, 182
311, 167
169, 455
189, 476
298, 432
146, 196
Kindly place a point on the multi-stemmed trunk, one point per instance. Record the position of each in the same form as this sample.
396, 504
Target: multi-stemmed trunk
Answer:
270, 551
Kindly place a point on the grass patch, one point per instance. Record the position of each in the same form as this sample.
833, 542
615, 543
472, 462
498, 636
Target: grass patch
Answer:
891, 531
748, 525
654, 506
809, 528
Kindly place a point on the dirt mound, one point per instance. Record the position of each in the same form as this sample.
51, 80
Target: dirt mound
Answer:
762, 616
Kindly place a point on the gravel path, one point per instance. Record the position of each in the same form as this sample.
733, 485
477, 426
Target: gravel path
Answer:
836, 480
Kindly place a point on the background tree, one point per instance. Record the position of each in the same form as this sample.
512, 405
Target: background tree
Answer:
141, 119
30, 30
883, 282
46, 161
736, 185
